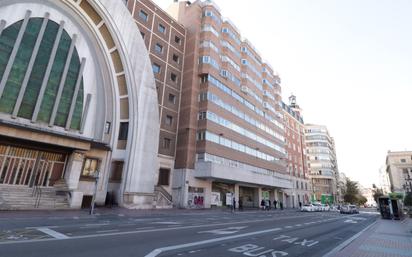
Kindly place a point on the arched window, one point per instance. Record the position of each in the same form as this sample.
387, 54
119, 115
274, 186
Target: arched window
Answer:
41, 73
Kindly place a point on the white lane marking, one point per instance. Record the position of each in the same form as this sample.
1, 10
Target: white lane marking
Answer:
158, 251
137, 231
107, 231
291, 240
298, 225
358, 218
146, 228
351, 221
289, 227
250, 250
53, 233
127, 225
41, 227
223, 231
344, 244
166, 222
96, 224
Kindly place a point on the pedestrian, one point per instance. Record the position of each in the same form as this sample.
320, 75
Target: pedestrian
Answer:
234, 204
300, 205
281, 205
269, 205
240, 204
262, 204
275, 203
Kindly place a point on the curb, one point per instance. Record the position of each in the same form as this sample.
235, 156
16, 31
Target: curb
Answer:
348, 241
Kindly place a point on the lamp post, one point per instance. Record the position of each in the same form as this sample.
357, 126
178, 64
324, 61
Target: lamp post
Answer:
96, 180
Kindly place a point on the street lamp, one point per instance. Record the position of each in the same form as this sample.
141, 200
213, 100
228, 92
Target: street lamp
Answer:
96, 180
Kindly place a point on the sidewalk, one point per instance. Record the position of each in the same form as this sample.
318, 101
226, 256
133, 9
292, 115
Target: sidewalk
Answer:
386, 238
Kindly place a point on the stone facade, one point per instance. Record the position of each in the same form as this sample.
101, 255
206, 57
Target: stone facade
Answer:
322, 161
399, 170
118, 119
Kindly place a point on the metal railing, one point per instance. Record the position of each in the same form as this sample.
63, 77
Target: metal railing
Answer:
36, 194
164, 193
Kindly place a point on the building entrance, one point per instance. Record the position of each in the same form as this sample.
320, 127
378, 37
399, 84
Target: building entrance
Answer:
221, 189
249, 196
27, 167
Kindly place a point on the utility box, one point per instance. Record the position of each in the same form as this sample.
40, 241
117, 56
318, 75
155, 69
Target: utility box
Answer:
390, 207
397, 207
384, 207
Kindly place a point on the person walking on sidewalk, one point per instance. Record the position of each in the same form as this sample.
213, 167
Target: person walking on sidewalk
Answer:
275, 203
240, 204
300, 205
281, 205
234, 204
262, 204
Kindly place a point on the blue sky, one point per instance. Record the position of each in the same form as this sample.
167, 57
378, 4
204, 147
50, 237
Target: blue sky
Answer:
349, 64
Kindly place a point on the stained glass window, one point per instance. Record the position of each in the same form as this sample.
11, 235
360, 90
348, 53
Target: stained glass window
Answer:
37, 73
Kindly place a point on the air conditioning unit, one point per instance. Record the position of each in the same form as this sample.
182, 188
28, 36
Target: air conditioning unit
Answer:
265, 93
244, 89
266, 105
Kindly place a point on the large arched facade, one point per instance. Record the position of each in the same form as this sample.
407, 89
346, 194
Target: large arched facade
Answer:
77, 98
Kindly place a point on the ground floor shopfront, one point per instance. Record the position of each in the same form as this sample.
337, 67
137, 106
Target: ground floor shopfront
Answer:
216, 185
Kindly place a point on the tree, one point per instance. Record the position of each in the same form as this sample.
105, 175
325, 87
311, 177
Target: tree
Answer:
408, 199
377, 193
351, 191
361, 200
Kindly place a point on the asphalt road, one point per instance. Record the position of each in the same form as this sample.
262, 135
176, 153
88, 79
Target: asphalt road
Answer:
186, 234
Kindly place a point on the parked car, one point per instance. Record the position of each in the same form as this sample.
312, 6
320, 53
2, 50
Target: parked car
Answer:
308, 208
344, 209
335, 208
349, 209
354, 209
318, 206
325, 207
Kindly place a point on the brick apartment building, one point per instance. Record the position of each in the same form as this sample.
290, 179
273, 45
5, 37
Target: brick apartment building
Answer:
296, 149
165, 40
231, 134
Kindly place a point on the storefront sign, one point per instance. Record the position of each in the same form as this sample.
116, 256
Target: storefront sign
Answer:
229, 199
265, 195
215, 199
